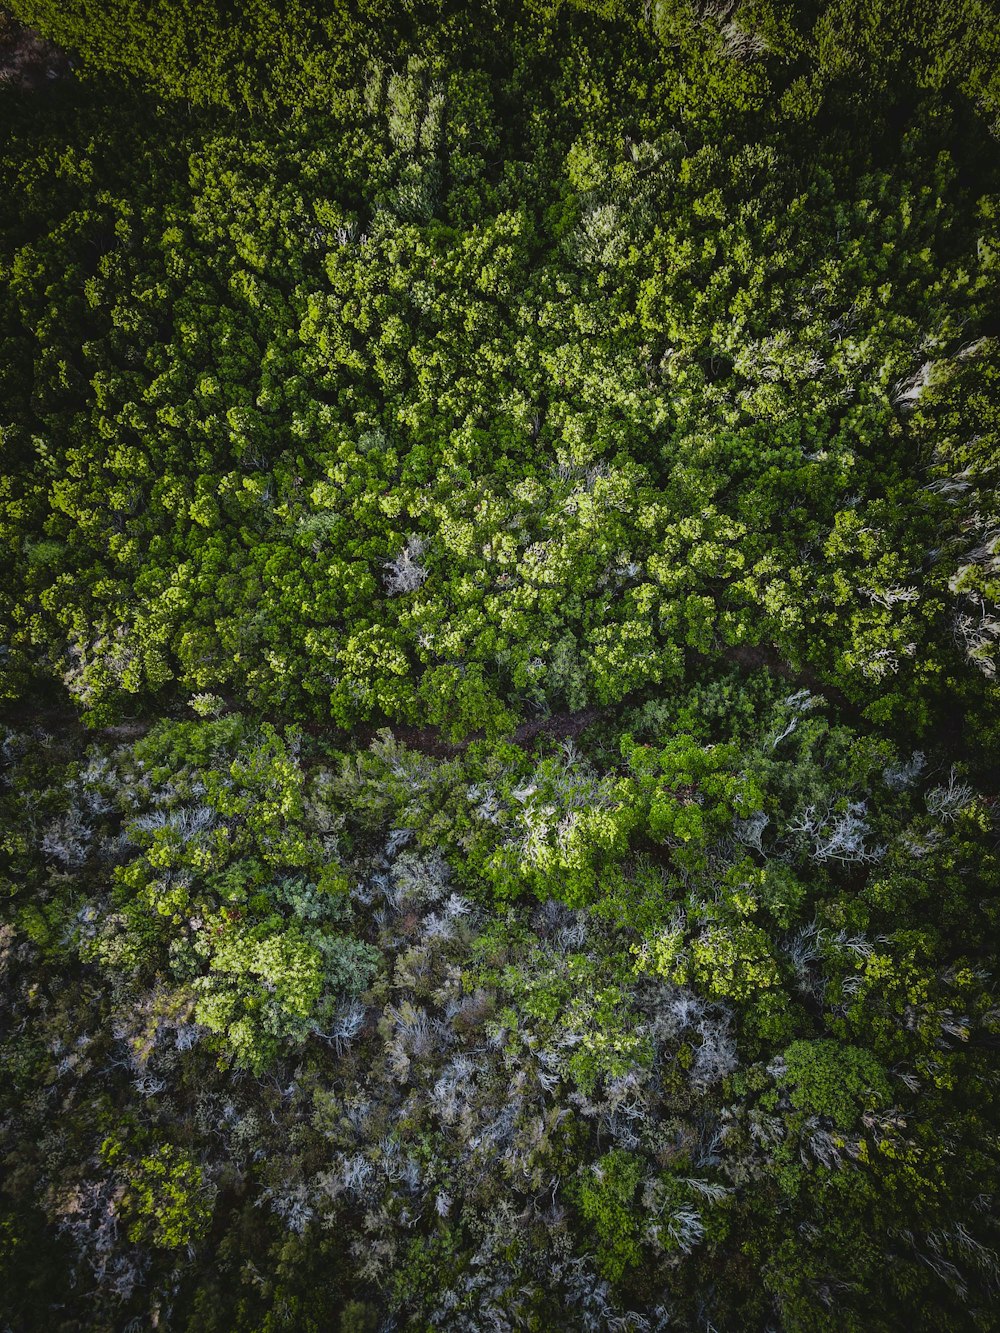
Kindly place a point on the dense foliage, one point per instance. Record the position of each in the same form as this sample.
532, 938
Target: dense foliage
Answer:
501, 604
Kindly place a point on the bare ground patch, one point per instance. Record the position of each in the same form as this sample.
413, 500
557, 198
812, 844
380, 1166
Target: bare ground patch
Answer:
27, 60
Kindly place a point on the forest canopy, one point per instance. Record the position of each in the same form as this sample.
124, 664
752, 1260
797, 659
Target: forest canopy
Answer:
500, 665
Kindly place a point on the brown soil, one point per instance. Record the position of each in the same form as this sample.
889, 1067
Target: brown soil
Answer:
428, 740
27, 60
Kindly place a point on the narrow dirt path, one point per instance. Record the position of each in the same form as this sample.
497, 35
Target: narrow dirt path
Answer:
561, 726
429, 740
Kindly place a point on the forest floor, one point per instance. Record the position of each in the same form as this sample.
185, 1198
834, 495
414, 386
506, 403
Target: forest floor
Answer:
27, 60
428, 740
